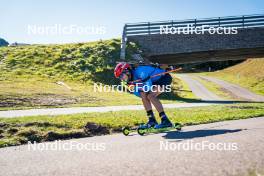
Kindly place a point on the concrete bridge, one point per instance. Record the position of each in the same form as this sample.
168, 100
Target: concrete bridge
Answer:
198, 40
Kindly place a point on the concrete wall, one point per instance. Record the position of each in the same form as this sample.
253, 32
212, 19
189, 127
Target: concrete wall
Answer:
181, 48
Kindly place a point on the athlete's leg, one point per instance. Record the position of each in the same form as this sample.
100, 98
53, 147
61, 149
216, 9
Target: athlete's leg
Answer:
147, 105
146, 102
152, 96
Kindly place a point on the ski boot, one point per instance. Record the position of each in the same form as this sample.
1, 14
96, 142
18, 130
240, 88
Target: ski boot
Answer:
165, 123
150, 124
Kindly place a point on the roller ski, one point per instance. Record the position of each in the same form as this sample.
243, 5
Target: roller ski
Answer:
153, 127
164, 126
150, 124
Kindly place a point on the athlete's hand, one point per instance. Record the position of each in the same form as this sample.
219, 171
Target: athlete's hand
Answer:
123, 83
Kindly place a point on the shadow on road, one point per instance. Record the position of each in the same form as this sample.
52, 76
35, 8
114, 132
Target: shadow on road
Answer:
182, 135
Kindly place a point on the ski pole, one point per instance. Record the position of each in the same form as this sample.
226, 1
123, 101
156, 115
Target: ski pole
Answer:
159, 74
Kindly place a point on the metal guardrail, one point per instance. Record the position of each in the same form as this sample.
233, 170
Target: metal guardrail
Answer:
147, 28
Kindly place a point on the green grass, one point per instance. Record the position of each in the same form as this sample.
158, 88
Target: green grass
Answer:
29, 76
248, 74
36, 92
15, 131
40, 93
78, 61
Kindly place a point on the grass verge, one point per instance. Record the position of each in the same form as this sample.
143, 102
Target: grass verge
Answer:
248, 74
16, 131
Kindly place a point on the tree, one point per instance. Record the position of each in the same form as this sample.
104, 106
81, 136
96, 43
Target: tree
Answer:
3, 42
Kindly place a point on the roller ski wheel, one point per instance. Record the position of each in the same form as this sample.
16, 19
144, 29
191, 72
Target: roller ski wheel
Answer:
126, 131
141, 131
178, 126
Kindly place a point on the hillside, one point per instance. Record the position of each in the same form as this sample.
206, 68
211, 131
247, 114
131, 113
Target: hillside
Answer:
58, 75
80, 61
249, 74
62, 75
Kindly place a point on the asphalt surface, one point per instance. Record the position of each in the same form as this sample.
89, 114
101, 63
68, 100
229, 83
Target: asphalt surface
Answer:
241, 152
76, 110
199, 89
236, 90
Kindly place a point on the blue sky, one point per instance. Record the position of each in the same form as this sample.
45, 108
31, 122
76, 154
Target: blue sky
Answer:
17, 15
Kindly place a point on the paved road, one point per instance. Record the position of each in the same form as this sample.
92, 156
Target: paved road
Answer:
236, 89
75, 110
198, 88
141, 155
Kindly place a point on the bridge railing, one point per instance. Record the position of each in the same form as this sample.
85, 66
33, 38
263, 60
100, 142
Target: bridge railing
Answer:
148, 28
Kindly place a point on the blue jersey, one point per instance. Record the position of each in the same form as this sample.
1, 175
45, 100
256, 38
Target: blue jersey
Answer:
143, 73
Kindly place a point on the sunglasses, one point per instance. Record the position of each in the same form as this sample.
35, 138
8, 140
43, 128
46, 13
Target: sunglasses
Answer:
124, 76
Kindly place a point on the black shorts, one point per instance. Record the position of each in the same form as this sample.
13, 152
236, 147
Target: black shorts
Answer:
164, 80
